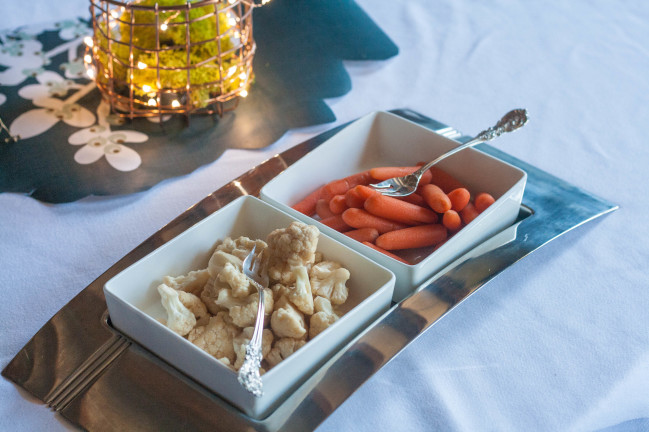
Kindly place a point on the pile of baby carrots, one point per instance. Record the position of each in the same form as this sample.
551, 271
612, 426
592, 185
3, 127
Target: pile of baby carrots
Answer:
439, 208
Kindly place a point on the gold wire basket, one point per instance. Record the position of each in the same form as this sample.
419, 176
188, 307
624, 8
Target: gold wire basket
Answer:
155, 57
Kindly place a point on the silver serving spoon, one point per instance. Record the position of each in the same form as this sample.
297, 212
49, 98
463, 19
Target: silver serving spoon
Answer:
405, 185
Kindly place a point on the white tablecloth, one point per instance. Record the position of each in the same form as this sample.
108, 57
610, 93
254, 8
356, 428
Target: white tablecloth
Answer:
560, 341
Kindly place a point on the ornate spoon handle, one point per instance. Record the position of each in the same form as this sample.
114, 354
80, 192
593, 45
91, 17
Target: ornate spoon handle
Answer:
509, 123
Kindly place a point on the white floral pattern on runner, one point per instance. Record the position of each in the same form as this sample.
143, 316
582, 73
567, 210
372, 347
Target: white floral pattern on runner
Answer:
23, 58
99, 140
49, 84
36, 121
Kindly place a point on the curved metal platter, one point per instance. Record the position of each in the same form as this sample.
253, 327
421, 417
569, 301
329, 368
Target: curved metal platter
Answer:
100, 380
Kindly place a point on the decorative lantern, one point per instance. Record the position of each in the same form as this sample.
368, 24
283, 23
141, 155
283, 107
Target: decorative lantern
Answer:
156, 57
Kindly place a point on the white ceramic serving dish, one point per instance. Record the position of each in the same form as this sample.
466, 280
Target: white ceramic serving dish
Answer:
384, 139
134, 304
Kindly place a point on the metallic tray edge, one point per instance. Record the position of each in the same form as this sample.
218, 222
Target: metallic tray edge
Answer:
81, 367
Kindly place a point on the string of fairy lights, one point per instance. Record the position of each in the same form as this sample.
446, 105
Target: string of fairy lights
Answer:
234, 72
238, 74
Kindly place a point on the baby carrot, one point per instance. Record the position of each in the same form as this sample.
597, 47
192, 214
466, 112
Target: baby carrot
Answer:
469, 213
340, 186
359, 218
452, 220
383, 251
482, 201
384, 173
365, 192
363, 234
361, 178
412, 237
444, 180
336, 222
414, 198
439, 245
333, 188
337, 204
322, 209
400, 211
436, 198
308, 203
353, 198
459, 198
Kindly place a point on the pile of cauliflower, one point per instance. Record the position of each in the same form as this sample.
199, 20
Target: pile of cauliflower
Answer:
215, 308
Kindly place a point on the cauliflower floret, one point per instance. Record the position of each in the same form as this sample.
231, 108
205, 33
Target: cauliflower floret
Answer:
243, 312
219, 260
179, 318
240, 247
290, 247
216, 337
226, 361
323, 317
287, 320
328, 280
193, 282
300, 294
196, 306
283, 348
210, 294
238, 282
279, 290
242, 339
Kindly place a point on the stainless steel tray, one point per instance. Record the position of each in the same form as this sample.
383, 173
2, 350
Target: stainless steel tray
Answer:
100, 380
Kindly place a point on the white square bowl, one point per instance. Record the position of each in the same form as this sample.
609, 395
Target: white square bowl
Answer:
135, 308
384, 139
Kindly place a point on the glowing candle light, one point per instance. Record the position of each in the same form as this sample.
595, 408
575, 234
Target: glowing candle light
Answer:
160, 85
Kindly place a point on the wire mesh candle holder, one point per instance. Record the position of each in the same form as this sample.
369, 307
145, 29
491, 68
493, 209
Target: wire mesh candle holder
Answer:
157, 57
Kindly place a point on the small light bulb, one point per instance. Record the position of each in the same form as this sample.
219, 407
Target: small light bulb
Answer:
87, 58
163, 26
90, 73
232, 22
152, 102
243, 93
141, 65
88, 41
231, 71
243, 76
114, 13
175, 104
146, 88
